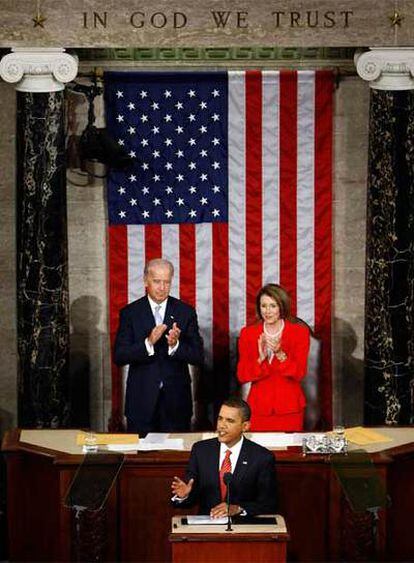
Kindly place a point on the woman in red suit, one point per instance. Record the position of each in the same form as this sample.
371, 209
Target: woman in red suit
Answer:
273, 356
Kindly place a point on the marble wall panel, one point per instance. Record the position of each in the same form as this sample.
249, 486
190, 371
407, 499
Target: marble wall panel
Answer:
8, 390
8, 342
7, 230
351, 149
350, 221
87, 232
89, 360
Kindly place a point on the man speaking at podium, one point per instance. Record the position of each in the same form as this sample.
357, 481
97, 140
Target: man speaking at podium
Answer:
252, 468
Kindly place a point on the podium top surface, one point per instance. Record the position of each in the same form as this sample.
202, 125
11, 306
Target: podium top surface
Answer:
178, 527
64, 441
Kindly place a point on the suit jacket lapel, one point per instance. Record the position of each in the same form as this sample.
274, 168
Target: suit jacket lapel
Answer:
169, 318
212, 465
242, 464
145, 318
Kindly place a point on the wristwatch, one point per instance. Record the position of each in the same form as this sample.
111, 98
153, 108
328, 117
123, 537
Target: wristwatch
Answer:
242, 512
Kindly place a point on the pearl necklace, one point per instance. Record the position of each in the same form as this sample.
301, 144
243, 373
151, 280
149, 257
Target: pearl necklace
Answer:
276, 334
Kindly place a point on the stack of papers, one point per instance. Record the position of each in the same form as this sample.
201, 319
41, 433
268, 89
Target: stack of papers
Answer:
132, 443
103, 439
205, 519
276, 440
123, 447
166, 444
365, 436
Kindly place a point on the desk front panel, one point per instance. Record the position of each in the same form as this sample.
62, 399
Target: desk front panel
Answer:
138, 513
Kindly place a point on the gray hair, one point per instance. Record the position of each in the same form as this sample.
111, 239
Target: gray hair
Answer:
158, 262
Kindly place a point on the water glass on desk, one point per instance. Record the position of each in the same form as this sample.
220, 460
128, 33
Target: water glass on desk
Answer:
338, 438
91, 442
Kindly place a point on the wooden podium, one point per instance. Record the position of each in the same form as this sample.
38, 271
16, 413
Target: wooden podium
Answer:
261, 543
136, 519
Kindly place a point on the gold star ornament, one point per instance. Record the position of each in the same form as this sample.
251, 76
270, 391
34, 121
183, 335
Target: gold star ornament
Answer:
396, 18
38, 20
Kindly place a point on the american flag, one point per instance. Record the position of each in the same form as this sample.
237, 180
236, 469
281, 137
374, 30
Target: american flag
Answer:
231, 181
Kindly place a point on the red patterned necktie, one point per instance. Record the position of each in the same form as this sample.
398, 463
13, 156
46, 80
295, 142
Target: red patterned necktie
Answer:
225, 468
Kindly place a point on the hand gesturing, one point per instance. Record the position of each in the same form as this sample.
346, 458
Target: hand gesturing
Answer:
180, 488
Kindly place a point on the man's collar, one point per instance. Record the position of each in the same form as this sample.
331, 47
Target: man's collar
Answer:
237, 445
155, 304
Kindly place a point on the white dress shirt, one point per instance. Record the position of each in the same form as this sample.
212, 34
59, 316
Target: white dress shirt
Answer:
161, 311
235, 452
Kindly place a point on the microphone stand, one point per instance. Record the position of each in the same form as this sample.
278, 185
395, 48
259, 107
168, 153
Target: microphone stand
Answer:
227, 480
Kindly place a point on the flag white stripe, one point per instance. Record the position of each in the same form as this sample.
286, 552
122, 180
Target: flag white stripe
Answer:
305, 276
270, 159
171, 252
204, 284
136, 261
237, 210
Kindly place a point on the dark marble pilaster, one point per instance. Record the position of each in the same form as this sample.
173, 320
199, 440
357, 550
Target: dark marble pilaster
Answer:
389, 330
42, 261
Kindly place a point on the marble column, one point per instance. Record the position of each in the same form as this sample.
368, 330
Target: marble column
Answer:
389, 318
41, 231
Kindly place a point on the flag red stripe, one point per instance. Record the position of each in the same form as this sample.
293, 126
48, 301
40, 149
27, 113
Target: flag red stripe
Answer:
221, 340
153, 242
118, 298
288, 183
253, 153
188, 263
118, 266
323, 228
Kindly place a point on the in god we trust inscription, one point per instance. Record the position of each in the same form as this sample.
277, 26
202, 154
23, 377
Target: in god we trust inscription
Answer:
223, 19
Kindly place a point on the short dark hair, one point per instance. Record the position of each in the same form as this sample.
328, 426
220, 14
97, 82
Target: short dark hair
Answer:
238, 403
278, 294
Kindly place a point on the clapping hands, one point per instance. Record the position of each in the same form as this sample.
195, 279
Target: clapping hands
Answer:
266, 343
173, 335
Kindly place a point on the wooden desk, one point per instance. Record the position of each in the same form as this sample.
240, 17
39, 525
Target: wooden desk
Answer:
265, 543
137, 518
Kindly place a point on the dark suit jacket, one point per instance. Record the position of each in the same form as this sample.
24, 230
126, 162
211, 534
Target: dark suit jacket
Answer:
147, 372
253, 486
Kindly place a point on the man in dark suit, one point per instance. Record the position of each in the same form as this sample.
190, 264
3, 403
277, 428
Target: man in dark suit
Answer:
158, 337
253, 482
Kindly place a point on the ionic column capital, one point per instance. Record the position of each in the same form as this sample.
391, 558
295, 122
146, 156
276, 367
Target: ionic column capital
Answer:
38, 70
387, 68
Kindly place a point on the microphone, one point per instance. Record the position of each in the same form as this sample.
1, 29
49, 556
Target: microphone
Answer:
227, 478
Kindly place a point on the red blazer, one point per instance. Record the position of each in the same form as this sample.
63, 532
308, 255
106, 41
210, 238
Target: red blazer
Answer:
275, 386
